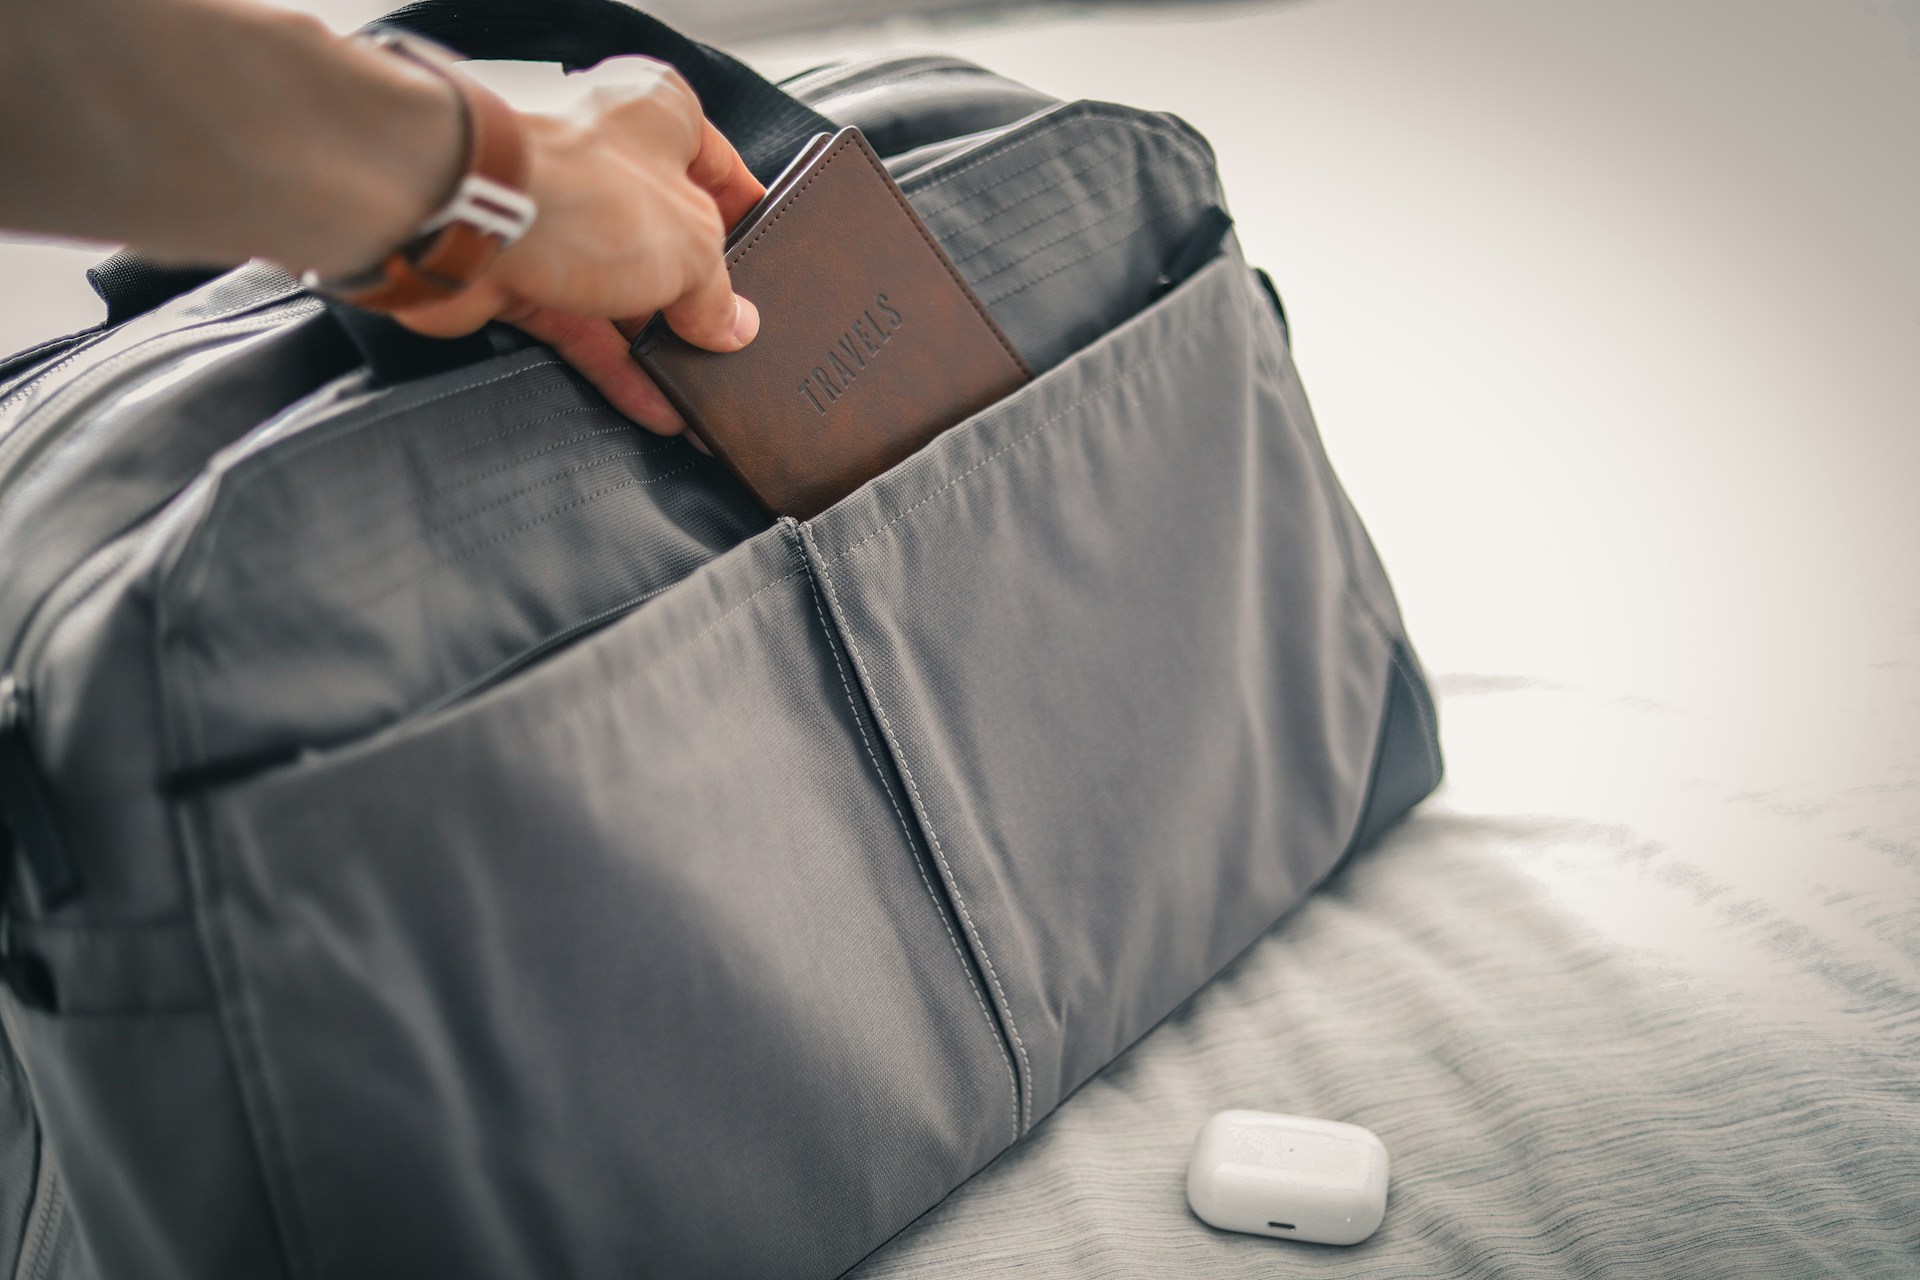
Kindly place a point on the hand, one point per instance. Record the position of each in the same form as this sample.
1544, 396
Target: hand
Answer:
635, 191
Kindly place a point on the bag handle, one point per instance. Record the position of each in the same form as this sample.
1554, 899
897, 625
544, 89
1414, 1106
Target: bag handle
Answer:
763, 122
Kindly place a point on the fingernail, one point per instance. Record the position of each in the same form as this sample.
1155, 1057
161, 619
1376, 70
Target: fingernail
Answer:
746, 320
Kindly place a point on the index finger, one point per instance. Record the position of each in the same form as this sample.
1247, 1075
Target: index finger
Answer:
717, 169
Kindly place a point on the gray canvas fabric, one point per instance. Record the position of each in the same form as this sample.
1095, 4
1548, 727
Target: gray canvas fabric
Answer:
1611, 1018
507, 852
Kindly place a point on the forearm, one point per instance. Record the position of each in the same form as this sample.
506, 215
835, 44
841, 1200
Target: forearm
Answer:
216, 130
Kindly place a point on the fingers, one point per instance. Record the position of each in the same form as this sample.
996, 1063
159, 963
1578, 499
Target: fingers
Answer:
718, 170
635, 190
711, 315
596, 349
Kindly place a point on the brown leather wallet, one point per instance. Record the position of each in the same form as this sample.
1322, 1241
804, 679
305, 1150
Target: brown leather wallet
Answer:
870, 344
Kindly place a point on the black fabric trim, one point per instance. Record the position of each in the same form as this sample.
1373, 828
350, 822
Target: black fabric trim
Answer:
1407, 764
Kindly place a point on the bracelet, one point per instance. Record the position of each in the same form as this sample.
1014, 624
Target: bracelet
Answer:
488, 211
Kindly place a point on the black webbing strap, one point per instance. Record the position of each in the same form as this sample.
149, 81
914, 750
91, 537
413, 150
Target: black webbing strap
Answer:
132, 285
763, 122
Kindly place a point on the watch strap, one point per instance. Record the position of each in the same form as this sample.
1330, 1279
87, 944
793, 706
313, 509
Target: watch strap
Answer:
488, 210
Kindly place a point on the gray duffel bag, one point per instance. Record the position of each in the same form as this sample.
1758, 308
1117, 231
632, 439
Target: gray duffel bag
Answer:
456, 834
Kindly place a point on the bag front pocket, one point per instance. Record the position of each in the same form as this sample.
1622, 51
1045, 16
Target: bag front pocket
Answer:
626, 966
1108, 630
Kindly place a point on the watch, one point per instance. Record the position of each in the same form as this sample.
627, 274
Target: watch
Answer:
488, 211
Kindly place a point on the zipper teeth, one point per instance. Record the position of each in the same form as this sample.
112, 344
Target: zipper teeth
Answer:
66, 595
26, 384
100, 564
24, 437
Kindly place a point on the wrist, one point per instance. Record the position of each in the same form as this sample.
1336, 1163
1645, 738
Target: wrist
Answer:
486, 209
408, 124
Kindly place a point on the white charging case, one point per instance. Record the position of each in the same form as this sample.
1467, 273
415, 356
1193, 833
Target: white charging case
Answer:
1289, 1177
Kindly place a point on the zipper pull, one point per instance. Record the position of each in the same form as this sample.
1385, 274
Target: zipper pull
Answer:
1201, 244
27, 824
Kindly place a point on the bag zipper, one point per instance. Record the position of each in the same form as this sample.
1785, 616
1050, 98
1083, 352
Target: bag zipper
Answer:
27, 438
26, 804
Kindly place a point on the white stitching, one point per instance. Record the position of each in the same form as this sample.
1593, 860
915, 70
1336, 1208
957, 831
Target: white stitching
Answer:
1126, 236
993, 237
933, 836
1132, 369
469, 550
236, 478
1013, 1085
1043, 126
218, 319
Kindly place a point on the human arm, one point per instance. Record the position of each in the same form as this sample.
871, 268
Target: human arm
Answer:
217, 130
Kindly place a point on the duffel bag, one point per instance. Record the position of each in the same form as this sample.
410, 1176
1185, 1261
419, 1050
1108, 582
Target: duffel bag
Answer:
456, 833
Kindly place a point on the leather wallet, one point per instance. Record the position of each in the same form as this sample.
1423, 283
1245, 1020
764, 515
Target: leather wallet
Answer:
870, 345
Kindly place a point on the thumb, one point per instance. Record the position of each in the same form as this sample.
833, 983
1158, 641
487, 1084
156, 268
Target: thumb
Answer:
712, 315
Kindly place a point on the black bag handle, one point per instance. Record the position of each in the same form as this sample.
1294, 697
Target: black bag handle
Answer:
764, 123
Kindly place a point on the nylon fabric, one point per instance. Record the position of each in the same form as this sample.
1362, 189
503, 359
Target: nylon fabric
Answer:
437, 928
442, 546
19, 1149
507, 852
1034, 747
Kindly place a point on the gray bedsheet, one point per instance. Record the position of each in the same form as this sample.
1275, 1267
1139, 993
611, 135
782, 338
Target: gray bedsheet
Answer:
1637, 994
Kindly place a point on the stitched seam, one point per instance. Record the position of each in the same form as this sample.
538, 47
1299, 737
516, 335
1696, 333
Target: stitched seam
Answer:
246, 1053
1078, 228
233, 1005
788, 203
1105, 148
660, 657
51, 1220
219, 327
1013, 1085
1075, 113
384, 554
1076, 260
246, 470
569, 473
454, 486
925, 190
218, 319
1131, 371
1044, 127
414, 721
995, 237
285, 1201
196, 564
933, 836
470, 550
939, 254
50, 456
